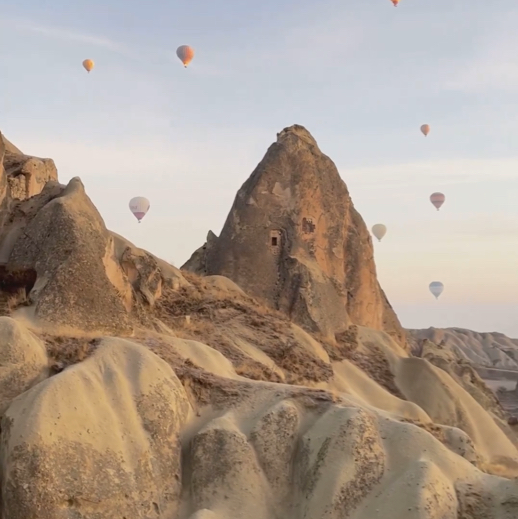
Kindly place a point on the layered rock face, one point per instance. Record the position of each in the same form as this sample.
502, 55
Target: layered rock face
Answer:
58, 257
21, 176
493, 350
294, 239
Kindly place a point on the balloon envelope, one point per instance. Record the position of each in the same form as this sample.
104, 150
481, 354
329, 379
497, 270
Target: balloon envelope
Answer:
185, 53
379, 230
139, 206
425, 129
436, 288
88, 64
437, 199
395, 2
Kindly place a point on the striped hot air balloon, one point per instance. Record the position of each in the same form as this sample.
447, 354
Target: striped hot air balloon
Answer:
139, 206
437, 199
436, 288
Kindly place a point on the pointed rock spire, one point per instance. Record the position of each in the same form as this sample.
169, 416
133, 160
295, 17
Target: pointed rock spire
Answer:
301, 246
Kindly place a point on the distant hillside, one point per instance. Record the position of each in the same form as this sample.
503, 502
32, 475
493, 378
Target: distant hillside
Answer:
493, 350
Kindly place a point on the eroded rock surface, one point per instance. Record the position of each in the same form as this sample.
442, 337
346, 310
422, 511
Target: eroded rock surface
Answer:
221, 407
23, 361
493, 350
101, 439
73, 272
294, 239
21, 176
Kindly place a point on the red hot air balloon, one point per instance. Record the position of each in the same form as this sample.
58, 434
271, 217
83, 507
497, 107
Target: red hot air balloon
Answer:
437, 199
185, 53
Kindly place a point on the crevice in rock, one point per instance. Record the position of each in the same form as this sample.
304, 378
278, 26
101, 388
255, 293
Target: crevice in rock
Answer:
14, 280
15, 286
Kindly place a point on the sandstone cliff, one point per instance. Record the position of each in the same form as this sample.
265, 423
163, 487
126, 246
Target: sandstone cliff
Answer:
131, 389
294, 239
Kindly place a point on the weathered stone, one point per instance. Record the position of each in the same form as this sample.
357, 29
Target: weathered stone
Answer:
101, 439
294, 239
23, 361
67, 244
21, 176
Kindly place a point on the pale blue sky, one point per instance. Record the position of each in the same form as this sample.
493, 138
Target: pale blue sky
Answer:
361, 76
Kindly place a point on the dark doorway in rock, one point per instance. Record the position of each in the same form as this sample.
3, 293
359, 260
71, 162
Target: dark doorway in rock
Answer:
15, 286
275, 241
12, 280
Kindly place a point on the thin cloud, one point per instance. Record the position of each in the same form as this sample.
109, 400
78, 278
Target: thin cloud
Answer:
482, 226
489, 72
141, 53
447, 172
494, 64
65, 34
60, 33
489, 229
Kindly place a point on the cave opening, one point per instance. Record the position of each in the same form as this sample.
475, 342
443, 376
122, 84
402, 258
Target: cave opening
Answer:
15, 286
12, 280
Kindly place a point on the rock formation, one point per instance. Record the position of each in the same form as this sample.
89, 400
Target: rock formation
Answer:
21, 176
122, 435
56, 251
131, 389
294, 239
493, 350
111, 436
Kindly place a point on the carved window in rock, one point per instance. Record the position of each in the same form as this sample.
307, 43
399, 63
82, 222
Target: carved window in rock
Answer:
275, 241
308, 226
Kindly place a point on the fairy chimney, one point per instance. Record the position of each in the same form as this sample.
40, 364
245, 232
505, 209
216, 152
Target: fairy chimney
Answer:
294, 239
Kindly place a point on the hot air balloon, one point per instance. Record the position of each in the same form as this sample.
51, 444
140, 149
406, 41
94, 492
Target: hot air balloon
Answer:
436, 288
139, 206
437, 199
395, 2
88, 64
185, 53
379, 230
425, 129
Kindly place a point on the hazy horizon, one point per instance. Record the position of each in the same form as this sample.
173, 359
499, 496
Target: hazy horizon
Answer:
361, 77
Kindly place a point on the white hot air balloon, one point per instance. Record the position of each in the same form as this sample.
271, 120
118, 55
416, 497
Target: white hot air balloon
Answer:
379, 230
436, 288
139, 206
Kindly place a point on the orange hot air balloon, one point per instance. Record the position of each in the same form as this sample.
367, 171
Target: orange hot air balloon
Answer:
88, 64
425, 129
185, 53
395, 2
437, 199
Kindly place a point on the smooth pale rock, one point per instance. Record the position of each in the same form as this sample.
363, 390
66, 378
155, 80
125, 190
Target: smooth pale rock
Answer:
101, 439
23, 361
